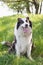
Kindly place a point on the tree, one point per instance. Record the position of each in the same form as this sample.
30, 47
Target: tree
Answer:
20, 5
36, 4
40, 7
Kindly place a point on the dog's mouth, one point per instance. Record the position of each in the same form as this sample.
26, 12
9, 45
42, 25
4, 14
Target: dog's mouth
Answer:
25, 30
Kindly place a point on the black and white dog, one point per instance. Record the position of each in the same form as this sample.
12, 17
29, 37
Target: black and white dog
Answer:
23, 38
23, 34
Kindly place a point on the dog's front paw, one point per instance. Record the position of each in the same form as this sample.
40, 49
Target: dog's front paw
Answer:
31, 59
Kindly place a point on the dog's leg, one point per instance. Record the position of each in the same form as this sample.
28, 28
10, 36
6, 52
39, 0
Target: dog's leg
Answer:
29, 52
17, 51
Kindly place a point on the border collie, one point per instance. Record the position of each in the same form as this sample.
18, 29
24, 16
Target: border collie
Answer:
23, 34
23, 38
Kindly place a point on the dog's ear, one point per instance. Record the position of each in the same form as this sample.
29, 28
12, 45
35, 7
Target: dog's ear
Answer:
18, 23
27, 18
30, 23
19, 19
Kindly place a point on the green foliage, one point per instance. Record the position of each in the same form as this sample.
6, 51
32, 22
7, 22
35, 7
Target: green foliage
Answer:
7, 33
17, 5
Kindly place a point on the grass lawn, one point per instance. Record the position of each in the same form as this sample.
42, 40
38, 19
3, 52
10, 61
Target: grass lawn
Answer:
7, 33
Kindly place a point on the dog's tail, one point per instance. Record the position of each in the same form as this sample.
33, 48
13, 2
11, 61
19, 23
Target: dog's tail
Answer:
7, 43
10, 45
12, 48
3, 42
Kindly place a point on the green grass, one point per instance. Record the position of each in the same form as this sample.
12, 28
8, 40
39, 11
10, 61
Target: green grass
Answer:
7, 33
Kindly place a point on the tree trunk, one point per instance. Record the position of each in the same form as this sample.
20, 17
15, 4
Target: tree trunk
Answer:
27, 7
40, 7
37, 8
36, 4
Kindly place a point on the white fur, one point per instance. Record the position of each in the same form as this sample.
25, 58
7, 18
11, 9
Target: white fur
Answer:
24, 43
3, 42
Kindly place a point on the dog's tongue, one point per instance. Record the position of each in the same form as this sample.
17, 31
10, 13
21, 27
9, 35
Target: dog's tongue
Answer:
25, 30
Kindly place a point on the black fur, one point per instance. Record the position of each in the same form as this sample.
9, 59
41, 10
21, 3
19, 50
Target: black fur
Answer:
20, 21
12, 48
30, 23
27, 18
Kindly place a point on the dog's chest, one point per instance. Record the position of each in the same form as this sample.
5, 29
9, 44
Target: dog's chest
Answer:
23, 44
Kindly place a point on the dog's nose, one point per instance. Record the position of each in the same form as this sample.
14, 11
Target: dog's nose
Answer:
26, 25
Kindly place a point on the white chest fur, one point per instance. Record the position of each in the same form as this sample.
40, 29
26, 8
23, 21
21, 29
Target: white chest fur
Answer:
23, 43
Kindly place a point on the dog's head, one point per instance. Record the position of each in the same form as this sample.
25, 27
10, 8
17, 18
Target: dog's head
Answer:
24, 25
24, 22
